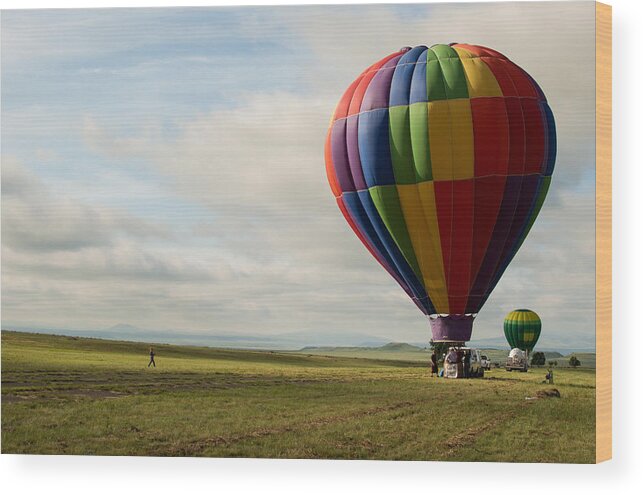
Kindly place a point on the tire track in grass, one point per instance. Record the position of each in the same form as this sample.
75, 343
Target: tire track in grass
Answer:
470, 435
194, 448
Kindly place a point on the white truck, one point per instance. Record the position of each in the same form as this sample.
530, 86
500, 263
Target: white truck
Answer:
485, 362
463, 362
516, 361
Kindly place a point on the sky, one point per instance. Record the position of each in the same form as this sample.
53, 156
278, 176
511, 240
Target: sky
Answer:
164, 168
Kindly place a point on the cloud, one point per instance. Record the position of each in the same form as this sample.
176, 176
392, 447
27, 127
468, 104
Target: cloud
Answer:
35, 220
204, 212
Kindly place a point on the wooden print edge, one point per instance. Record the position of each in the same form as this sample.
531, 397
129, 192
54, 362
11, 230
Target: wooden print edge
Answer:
603, 232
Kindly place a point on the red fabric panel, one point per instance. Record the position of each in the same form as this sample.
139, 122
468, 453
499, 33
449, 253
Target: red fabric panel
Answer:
496, 63
461, 241
537, 88
455, 202
342, 107
444, 212
499, 70
490, 136
516, 136
489, 192
360, 90
480, 51
521, 81
535, 134
330, 168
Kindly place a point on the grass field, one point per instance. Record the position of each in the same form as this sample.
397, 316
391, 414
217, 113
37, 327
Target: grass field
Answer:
66, 395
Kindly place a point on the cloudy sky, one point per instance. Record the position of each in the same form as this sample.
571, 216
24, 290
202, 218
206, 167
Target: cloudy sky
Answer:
164, 168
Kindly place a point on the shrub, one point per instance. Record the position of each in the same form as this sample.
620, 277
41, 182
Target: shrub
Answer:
574, 362
538, 359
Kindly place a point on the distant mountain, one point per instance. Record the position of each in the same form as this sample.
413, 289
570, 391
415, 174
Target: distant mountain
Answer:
400, 347
297, 340
282, 341
553, 355
390, 347
547, 343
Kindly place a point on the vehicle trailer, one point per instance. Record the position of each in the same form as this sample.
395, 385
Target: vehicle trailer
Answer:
516, 361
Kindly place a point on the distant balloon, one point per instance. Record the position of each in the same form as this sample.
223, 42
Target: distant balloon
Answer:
522, 329
440, 159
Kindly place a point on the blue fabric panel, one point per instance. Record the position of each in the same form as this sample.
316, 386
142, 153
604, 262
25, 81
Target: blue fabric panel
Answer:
401, 84
418, 83
551, 139
374, 148
377, 225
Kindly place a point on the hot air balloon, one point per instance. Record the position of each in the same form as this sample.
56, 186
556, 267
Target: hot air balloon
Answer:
522, 329
440, 159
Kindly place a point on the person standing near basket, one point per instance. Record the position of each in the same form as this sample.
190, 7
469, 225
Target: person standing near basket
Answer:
434, 364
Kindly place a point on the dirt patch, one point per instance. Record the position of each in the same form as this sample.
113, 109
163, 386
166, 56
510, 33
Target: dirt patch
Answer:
94, 394
550, 392
13, 398
64, 394
545, 394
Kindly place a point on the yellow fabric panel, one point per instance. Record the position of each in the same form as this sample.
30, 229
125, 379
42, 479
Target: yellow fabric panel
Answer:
418, 207
480, 79
451, 139
462, 138
440, 139
532, 317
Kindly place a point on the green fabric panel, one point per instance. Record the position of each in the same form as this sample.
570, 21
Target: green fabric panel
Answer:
521, 333
400, 144
510, 333
388, 206
420, 141
435, 85
452, 72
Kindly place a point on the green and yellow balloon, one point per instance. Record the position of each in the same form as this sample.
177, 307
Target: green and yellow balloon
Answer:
522, 329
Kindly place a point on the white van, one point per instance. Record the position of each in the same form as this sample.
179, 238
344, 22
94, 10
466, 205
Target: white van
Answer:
454, 366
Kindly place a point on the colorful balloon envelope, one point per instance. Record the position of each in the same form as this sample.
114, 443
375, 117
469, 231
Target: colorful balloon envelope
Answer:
522, 329
440, 159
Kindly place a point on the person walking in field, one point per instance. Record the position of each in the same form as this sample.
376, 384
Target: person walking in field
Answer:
434, 365
151, 358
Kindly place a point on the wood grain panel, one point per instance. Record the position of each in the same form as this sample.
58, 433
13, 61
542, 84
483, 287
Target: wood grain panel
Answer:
603, 232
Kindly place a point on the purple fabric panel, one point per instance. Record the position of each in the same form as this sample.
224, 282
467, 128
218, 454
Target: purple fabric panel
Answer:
420, 303
452, 328
352, 147
340, 156
496, 245
528, 194
378, 91
513, 240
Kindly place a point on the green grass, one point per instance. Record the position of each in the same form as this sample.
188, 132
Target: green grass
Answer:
64, 395
416, 355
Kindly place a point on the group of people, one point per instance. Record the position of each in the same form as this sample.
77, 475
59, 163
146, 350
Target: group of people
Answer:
454, 356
